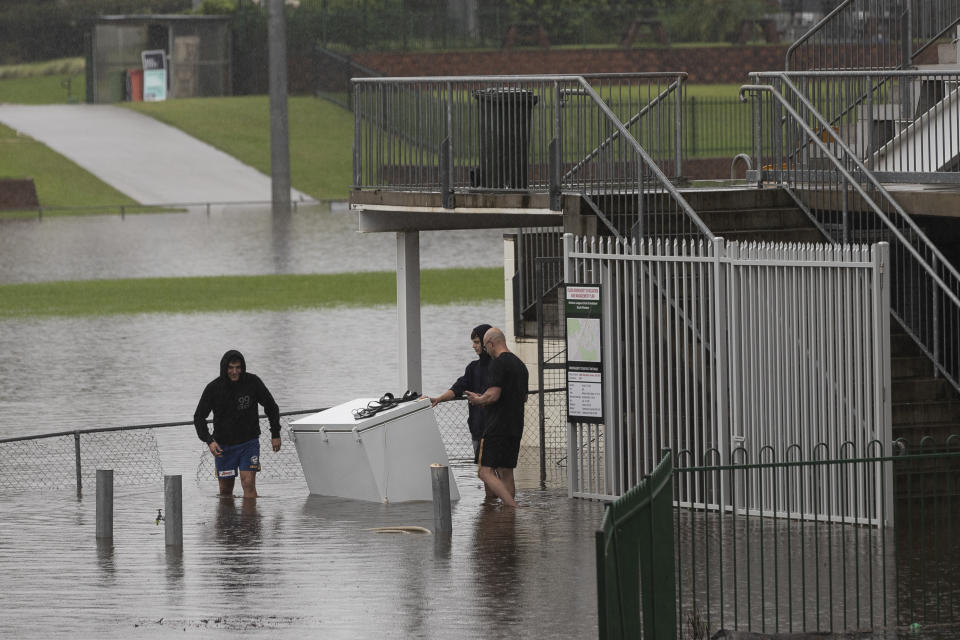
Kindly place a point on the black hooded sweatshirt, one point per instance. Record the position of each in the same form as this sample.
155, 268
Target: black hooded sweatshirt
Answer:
474, 379
234, 406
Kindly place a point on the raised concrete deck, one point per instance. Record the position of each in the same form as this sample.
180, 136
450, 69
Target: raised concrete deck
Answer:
381, 210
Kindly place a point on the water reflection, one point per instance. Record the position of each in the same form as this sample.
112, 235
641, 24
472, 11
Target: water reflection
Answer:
293, 565
105, 552
73, 373
496, 557
238, 534
175, 570
310, 240
238, 525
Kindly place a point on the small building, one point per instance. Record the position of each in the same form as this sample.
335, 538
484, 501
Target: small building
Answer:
196, 48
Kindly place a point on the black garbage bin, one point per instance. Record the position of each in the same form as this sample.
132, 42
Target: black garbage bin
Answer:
505, 116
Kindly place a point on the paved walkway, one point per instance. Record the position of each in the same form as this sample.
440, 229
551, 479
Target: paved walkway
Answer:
151, 162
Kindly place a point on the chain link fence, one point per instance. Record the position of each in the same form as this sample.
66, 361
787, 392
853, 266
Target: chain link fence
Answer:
70, 459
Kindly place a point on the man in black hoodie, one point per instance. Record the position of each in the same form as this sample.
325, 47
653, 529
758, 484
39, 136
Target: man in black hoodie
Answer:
233, 397
474, 379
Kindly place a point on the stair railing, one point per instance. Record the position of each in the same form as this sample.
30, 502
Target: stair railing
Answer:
873, 34
556, 135
903, 125
848, 203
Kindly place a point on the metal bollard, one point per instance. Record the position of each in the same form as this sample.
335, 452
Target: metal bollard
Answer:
173, 509
104, 503
441, 498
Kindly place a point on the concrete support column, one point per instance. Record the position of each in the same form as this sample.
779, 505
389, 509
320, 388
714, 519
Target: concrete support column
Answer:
279, 133
408, 309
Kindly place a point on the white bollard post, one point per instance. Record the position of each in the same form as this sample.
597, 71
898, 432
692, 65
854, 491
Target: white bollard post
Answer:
440, 477
104, 503
173, 514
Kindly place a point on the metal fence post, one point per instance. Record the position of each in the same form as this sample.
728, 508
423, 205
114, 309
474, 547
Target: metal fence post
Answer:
678, 132
173, 510
440, 481
881, 345
540, 380
104, 503
76, 449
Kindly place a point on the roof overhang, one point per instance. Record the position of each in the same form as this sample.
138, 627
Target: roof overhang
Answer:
386, 211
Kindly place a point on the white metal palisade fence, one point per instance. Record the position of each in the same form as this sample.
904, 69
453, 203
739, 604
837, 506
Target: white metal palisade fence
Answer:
736, 353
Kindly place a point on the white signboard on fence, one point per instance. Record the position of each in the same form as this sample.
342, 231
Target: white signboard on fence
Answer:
584, 354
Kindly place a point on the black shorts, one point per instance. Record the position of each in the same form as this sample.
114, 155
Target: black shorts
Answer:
499, 452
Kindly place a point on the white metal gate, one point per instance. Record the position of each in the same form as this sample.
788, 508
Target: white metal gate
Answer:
736, 353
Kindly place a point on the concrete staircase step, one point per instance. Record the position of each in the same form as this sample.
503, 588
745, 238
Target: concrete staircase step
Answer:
795, 234
914, 413
901, 344
721, 221
917, 366
921, 390
738, 199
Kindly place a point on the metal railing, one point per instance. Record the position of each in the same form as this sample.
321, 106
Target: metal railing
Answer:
716, 345
613, 139
64, 459
849, 204
539, 260
904, 126
635, 575
873, 34
777, 572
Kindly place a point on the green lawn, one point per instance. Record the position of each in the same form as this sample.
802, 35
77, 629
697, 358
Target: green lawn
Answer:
241, 293
48, 89
59, 182
321, 136
43, 82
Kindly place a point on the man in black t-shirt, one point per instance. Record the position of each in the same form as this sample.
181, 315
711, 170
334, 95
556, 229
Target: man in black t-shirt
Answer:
507, 384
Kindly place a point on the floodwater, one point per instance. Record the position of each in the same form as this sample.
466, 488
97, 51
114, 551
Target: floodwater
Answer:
287, 564
72, 373
229, 240
293, 565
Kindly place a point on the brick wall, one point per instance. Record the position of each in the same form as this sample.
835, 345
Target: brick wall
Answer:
705, 65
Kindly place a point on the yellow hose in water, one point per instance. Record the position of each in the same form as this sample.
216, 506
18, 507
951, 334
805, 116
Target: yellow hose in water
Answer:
399, 529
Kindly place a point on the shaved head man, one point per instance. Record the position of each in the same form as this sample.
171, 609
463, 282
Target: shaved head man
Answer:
507, 385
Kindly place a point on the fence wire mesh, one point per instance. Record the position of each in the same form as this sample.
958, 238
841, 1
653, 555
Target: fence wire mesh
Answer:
274, 465
53, 462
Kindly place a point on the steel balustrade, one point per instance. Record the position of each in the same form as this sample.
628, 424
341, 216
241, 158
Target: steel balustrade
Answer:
849, 204
611, 138
873, 34
720, 346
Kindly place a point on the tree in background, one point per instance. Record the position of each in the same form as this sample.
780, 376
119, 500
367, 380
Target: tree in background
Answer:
34, 30
711, 20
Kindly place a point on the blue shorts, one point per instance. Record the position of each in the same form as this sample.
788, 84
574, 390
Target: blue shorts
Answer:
243, 457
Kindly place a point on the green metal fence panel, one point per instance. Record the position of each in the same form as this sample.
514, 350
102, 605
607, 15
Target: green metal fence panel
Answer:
636, 589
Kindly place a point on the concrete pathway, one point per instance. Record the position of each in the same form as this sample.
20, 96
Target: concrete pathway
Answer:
151, 162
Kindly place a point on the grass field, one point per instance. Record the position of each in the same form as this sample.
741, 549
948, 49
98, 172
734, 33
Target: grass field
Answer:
59, 182
241, 293
321, 136
43, 82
